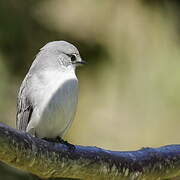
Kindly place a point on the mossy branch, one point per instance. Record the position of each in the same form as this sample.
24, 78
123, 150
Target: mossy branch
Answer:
48, 159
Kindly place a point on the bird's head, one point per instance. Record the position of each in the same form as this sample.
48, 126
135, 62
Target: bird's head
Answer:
64, 53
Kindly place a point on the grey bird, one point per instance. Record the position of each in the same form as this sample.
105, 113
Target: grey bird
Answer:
48, 95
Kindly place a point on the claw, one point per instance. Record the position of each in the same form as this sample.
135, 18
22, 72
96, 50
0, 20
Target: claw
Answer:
60, 140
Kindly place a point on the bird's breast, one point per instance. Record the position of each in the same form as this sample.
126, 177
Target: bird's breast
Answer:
56, 103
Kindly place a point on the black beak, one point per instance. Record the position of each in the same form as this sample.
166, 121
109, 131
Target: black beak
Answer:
81, 62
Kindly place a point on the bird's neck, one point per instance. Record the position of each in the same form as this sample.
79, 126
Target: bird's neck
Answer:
68, 69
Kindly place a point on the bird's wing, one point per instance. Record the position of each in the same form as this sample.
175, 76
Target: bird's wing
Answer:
24, 107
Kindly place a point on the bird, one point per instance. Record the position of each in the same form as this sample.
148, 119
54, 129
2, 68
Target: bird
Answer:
48, 96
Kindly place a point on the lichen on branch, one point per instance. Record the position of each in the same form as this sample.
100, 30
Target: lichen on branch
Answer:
48, 159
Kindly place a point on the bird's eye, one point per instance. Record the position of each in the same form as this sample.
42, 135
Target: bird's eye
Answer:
73, 57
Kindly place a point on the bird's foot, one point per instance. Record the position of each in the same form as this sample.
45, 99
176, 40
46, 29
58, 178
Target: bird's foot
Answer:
60, 140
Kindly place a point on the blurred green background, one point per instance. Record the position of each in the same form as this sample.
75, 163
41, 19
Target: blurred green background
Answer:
129, 90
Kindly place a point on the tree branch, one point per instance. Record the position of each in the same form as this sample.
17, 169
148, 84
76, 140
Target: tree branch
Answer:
48, 159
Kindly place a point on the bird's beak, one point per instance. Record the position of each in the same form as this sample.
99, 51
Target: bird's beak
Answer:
80, 62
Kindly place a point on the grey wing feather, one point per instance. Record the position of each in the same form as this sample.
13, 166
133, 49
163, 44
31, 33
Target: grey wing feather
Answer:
24, 108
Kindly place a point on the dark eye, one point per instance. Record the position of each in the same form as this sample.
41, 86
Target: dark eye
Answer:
73, 58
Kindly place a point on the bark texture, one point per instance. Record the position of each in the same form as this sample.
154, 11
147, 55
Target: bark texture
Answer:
48, 159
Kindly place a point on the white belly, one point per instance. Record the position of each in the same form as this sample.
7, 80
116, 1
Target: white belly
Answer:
55, 106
